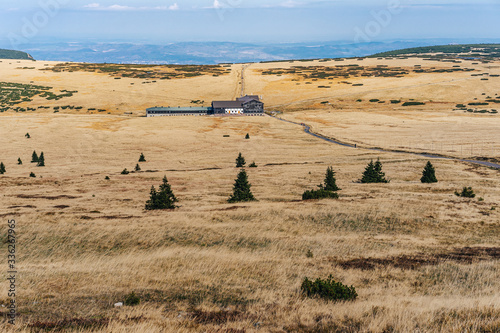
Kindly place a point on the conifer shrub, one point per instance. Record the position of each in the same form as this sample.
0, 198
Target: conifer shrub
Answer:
319, 194
106, 178
32, 175
328, 289
327, 190
429, 174
247, 136
164, 198
132, 299
125, 172
240, 161
19, 161
241, 189
2, 168
253, 165
34, 157
373, 173
412, 103
41, 160
330, 181
142, 158
27, 135
137, 167
467, 192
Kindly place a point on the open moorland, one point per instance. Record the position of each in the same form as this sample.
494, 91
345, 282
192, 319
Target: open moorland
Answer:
419, 257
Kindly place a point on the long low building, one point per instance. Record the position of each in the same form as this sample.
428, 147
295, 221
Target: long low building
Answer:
178, 111
249, 105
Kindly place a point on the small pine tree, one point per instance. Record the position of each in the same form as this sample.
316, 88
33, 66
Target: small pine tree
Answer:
142, 158
380, 174
41, 160
125, 172
369, 175
27, 135
247, 136
241, 189
164, 198
34, 157
32, 175
429, 174
106, 178
330, 181
2, 168
153, 198
240, 161
19, 161
253, 165
137, 167
373, 173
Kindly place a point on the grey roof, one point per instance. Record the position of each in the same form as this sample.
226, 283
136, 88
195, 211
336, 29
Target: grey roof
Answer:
178, 109
227, 104
248, 98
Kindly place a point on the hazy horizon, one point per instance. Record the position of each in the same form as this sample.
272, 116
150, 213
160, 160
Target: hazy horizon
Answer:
259, 21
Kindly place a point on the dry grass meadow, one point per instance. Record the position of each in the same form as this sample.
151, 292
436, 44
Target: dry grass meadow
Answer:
420, 258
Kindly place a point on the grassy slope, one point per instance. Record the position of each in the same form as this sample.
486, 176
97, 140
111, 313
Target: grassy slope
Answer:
85, 242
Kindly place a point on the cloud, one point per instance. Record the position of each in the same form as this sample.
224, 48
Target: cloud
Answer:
217, 4
290, 4
119, 7
116, 7
92, 5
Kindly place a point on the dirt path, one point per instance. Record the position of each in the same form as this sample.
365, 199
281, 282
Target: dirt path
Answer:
243, 79
307, 129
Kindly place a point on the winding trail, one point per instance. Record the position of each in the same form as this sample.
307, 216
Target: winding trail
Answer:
307, 129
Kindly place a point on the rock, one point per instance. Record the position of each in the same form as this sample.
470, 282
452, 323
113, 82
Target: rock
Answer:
118, 305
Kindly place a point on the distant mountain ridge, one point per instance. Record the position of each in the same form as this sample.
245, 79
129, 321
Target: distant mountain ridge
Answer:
14, 55
206, 53
478, 51
210, 53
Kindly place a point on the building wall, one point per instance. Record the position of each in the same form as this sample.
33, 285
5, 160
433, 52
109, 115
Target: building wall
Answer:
234, 111
253, 107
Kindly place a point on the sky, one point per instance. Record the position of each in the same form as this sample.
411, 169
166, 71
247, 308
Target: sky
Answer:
252, 21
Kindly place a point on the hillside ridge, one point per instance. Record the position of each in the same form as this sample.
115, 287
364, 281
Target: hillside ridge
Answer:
14, 55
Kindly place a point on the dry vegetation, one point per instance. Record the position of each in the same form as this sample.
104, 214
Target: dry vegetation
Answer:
419, 257
160, 72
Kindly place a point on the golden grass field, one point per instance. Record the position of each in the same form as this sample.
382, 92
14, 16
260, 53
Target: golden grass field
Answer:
420, 258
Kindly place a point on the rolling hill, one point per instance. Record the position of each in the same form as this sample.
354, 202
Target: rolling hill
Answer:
472, 51
11, 54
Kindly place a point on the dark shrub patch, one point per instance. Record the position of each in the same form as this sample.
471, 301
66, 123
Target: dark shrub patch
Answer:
328, 289
132, 299
467, 192
319, 194
413, 103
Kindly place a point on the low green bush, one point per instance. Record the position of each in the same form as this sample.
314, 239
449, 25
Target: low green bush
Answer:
132, 299
319, 194
413, 103
467, 192
328, 289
